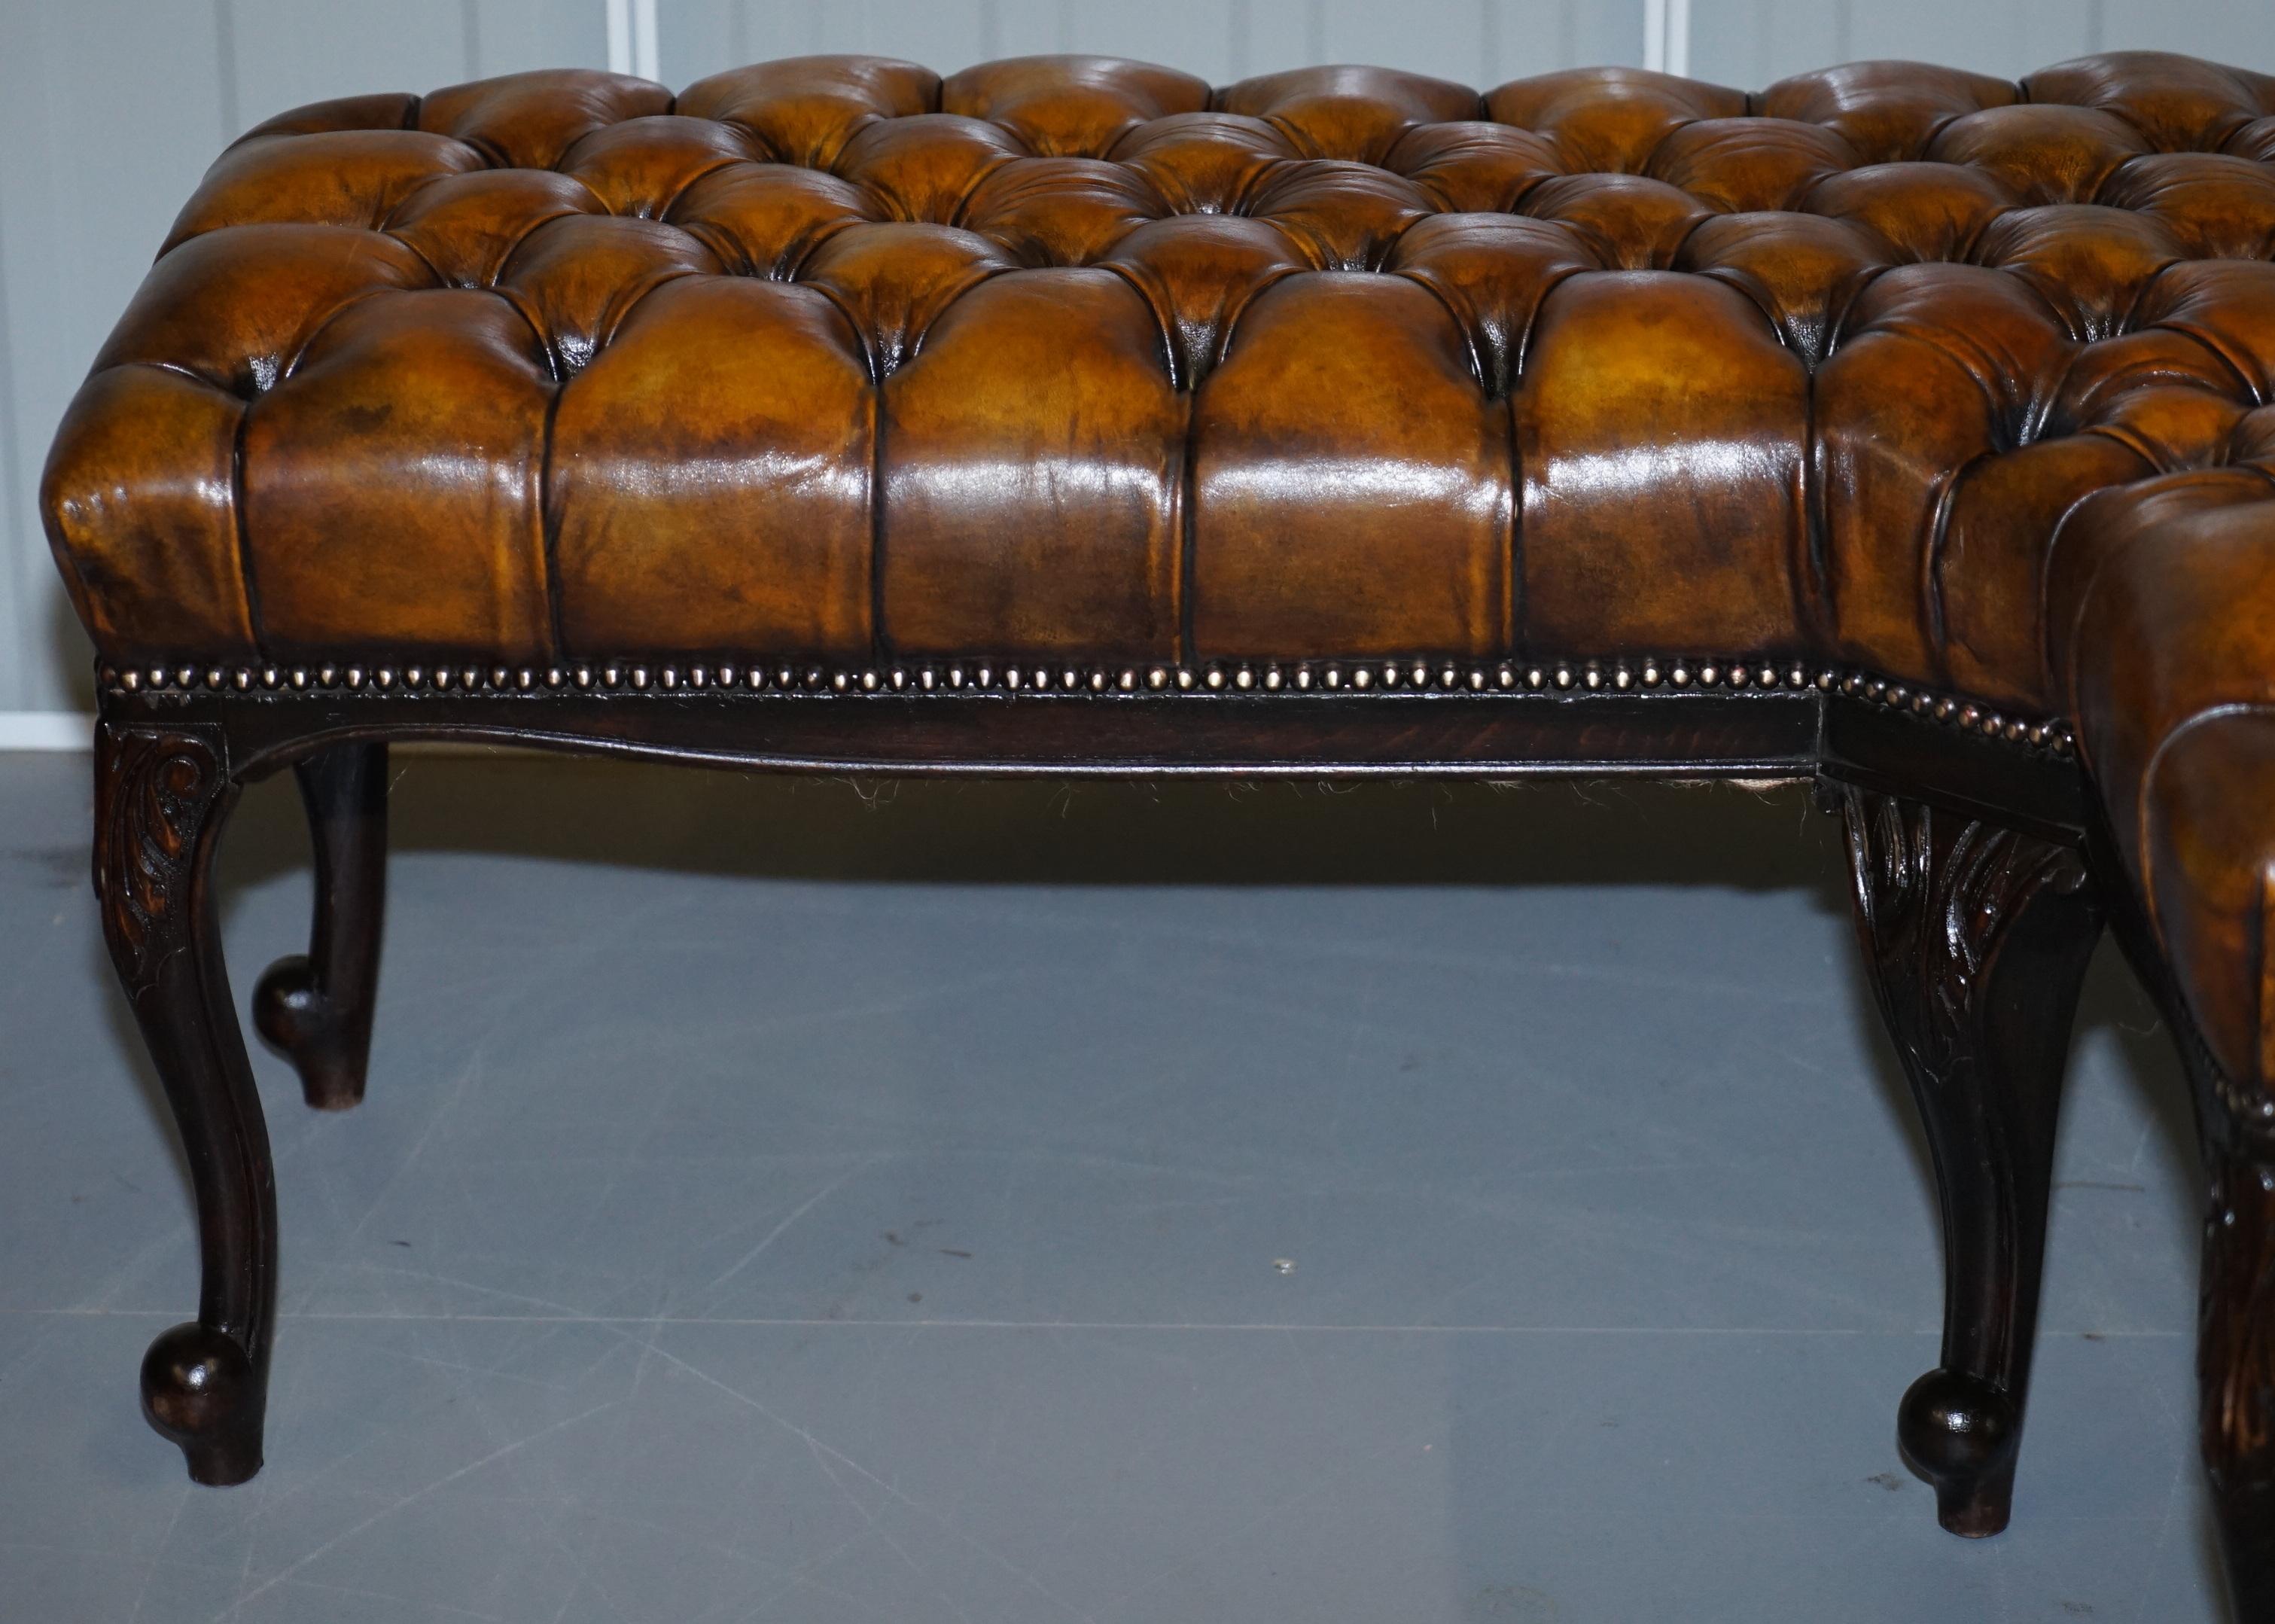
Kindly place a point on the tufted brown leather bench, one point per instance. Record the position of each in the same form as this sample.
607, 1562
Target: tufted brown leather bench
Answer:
1894, 426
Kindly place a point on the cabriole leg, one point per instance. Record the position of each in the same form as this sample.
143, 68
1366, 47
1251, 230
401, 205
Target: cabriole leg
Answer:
1977, 938
2235, 1359
315, 1008
161, 799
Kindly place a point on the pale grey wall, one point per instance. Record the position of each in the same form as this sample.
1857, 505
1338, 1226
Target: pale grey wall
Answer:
1476, 41
109, 110
1752, 42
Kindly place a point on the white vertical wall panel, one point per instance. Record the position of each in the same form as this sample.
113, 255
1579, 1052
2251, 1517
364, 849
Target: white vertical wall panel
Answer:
1752, 42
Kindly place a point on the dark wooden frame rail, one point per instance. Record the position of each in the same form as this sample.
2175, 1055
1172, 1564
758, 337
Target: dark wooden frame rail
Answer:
1980, 873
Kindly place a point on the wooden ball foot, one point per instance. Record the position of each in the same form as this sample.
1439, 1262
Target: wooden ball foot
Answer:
300, 1023
1960, 1433
201, 1391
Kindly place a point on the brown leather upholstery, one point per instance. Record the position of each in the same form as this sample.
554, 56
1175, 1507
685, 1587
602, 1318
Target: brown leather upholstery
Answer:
1957, 379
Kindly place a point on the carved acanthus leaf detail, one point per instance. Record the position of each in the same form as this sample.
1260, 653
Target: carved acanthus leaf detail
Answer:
1935, 893
2236, 1333
154, 794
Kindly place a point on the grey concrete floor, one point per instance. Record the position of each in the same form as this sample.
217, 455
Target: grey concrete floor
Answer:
821, 1202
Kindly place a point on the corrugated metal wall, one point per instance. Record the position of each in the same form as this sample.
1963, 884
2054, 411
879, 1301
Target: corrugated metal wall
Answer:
109, 110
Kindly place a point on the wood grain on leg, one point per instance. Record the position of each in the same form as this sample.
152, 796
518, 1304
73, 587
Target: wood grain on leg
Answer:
1977, 938
161, 799
315, 1008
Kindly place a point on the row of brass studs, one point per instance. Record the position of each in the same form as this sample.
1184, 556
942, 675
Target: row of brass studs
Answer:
1968, 716
1618, 675
1043, 677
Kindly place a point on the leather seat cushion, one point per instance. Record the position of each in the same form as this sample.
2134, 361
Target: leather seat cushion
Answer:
1081, 356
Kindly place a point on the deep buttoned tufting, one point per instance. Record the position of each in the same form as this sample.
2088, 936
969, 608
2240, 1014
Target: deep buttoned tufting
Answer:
1080, 357
1897, 367
1894, 426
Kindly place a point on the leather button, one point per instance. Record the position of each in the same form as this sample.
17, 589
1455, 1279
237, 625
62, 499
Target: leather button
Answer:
1749, 165
2177, 103
341, 178
1061, 211
2217, 206
1491, 271
768, 219
1628, 221
574, 279
804, 109
894, 281
1472, 167
1071, 107
924, 167
641, 166
1199, 272
467, 226
1920, 211
1342, 216
236, 305
1609, 120
2089, 262
528, 120
1350, 114
1801, 270
1887, 111
2048, 154
1203, 162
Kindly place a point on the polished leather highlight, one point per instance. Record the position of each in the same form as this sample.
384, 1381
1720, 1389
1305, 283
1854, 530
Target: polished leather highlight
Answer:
1964, 381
